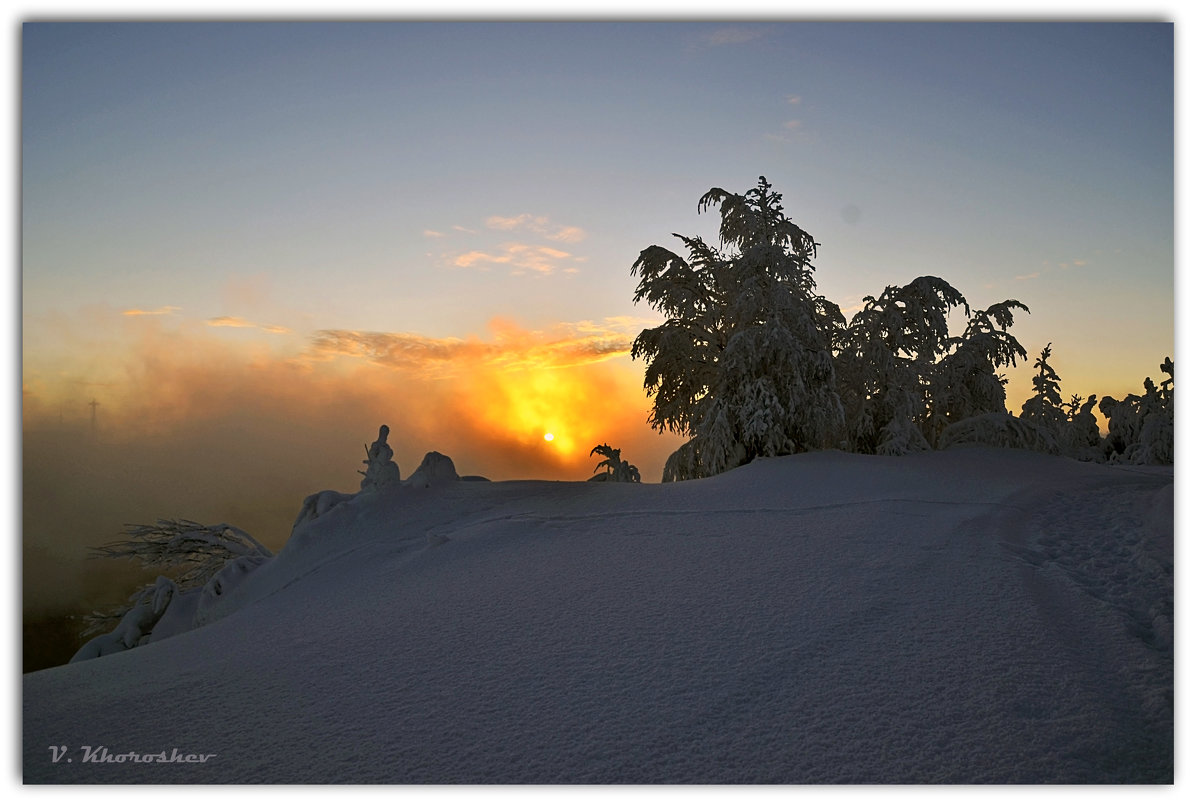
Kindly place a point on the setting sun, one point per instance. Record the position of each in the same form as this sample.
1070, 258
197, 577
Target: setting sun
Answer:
549, 437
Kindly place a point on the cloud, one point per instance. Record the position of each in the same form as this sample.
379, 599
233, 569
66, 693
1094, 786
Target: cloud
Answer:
538, 225
521, 257
164, 310
432, 234
1028, 277
229, 322
196, 425
239, 322
793, 100
511, 348
792, 125
733, 36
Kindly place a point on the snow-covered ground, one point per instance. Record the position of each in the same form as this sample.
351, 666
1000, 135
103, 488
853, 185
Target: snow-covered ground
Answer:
966, 616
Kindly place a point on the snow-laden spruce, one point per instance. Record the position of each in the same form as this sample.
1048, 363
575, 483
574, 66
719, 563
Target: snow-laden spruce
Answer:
752, 362
742, 364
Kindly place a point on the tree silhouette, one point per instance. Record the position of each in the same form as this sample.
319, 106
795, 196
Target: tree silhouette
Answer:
742, 364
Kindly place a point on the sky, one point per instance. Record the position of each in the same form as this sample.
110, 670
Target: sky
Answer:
245, 246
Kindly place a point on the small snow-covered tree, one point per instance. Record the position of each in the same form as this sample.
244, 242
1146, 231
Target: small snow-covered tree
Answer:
1080, 436
615, 468
886, 362
382, 470
1044, 407
742, 364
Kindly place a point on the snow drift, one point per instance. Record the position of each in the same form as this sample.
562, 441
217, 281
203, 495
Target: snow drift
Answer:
968, 616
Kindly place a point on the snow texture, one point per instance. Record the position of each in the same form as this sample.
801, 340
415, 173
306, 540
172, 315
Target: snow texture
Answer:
963, 616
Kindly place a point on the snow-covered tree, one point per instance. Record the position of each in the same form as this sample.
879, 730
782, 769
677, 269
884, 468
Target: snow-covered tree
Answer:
1140, 428
615, 468
886, 361
1080, 436
382, 470
965, 382
1044, 407
742, 364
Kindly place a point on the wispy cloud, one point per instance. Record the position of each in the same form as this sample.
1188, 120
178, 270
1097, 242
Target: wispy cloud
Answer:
1028, 276
733, 35
791, 129
164, 310
239, 322
521, 257
432, 234
538, 225
509, 348
229, 322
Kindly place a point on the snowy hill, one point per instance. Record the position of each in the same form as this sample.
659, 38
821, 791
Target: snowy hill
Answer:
966, 616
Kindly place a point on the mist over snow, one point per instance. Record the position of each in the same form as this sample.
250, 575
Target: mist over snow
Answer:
964, 616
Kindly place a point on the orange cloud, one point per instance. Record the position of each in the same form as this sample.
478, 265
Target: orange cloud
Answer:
538, 225
519, 256
239, 322
229, 322
485, 402
164, 310
567, 345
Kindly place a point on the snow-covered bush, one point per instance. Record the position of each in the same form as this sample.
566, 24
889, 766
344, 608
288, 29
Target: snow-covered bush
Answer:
193, 552
615, 468
1140, 428
998, 430
1080, 436
742, 364
148, 605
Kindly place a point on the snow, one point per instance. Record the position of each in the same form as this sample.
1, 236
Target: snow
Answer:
967, 616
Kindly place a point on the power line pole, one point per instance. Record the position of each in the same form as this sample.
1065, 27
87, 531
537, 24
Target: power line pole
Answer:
93, 404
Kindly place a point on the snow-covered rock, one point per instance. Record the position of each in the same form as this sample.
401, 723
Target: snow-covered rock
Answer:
435, 468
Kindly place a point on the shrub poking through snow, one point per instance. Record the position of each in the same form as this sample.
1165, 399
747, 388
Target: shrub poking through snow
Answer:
615, 468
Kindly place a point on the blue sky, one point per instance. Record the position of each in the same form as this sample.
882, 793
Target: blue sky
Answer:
256, 184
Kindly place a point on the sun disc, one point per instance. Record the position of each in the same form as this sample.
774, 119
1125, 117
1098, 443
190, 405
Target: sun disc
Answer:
549, 437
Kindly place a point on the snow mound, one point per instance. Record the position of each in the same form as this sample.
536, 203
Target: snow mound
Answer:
967, 616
